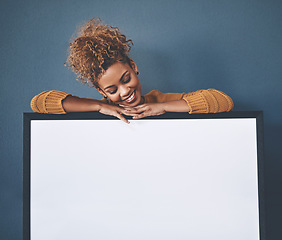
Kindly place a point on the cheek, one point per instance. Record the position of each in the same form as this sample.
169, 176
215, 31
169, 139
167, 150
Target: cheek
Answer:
113, 98
136, 83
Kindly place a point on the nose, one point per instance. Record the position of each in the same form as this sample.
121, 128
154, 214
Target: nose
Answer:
124, 91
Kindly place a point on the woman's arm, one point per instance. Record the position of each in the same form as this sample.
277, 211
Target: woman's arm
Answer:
153, 109
177, 106
76, 104
49, 102
57, 102
201, 101
208, 101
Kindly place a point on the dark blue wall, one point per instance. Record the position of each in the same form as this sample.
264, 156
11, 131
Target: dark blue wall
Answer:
234, 46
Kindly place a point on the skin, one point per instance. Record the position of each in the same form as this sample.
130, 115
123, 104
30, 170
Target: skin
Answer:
121, 85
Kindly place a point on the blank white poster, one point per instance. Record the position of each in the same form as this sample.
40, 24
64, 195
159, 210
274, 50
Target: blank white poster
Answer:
154, 179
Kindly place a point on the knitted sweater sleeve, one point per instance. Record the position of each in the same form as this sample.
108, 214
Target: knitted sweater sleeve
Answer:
208, 101
201, 101
52, 102
49, 102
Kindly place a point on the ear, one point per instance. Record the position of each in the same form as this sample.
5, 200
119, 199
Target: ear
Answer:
101, 91
133, 66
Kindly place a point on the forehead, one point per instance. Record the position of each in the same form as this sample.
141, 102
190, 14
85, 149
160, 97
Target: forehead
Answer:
113, 74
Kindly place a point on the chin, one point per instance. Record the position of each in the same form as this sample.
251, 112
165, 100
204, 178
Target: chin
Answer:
135, 104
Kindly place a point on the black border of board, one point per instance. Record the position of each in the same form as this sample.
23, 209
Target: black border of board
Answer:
28, 117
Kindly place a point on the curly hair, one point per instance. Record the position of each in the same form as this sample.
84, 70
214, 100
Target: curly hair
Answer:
97, 47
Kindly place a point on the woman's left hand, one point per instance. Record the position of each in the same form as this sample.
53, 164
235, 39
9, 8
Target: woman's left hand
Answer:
145, 110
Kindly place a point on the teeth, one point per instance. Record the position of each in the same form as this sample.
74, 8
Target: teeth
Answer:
130, 98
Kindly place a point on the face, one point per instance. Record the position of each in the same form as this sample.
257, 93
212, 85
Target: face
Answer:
121, 85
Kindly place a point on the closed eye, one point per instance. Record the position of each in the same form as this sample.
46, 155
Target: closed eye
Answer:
127, 79
112, 91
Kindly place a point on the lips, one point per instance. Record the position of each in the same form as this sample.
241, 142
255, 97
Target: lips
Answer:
131, 98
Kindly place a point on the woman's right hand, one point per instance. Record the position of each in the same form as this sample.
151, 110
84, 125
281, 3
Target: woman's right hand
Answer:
113, 110
76, 104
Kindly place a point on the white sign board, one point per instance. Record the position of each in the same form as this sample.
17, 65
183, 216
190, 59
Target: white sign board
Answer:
167, 179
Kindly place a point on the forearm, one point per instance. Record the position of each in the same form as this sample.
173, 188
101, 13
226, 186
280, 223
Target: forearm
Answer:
176, 106
201, 101
58, 102
76, 104
153, 109
208, 101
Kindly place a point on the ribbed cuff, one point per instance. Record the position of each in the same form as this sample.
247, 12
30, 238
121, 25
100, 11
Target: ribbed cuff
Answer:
197, 103
49, 102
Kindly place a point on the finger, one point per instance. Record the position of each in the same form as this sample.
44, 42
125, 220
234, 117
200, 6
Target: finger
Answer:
141, 106
129, 113
120, 108
118, 115
133, 108
138, 109
138, 116
134, 111
123, 106
128, 109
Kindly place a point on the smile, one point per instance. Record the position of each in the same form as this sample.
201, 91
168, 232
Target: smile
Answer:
131, 98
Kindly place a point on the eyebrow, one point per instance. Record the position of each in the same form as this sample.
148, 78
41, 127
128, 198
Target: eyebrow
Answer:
119, 80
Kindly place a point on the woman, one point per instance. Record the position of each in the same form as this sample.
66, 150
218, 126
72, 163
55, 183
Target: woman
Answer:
99, 55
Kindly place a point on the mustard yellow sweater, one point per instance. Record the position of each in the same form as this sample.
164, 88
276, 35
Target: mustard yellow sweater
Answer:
201, 101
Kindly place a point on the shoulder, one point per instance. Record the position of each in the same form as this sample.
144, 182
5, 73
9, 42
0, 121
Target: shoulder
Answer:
152, 97
156, 96
153, 93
